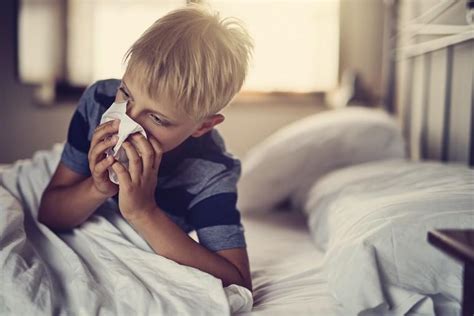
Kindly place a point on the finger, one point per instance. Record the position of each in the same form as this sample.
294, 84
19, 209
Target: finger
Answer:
145, 150
101, 131
134, 161
122, 174
158, 149
97, 152
102, 166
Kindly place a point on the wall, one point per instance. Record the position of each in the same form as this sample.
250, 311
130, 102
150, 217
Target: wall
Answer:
24, 126
361, 38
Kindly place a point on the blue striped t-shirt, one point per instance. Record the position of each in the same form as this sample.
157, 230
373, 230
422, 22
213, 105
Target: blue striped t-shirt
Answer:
196, 181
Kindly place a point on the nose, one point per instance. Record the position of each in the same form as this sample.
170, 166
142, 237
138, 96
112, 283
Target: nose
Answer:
132, 111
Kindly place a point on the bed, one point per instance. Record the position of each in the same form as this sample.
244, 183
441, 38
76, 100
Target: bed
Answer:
284, 282
367, 208
338, 229
323, 239
36, 264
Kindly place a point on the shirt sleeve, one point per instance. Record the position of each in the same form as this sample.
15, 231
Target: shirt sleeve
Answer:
76, 148
214, 214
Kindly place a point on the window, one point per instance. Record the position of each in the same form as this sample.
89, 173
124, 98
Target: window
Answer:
76, 42
296, 42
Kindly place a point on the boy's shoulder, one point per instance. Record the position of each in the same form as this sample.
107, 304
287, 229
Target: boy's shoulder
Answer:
102, 92
205, 156
95, 100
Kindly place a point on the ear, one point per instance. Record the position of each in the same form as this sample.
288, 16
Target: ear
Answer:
208, 124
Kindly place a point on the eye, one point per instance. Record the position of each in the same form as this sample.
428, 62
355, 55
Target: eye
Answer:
122, 90
157, 120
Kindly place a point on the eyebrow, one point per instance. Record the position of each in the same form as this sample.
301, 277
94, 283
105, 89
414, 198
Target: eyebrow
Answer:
154, 111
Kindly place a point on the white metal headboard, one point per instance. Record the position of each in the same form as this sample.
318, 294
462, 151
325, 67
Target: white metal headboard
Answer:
435, 82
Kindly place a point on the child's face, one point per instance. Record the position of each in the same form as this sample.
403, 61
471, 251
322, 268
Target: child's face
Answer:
161, 120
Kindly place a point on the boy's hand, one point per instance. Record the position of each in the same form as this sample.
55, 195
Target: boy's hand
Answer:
138, 184
98, 163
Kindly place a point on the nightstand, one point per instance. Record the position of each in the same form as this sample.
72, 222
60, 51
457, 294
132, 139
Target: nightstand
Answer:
460, 245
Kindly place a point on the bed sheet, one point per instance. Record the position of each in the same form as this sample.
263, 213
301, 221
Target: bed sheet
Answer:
286, 267
102, 267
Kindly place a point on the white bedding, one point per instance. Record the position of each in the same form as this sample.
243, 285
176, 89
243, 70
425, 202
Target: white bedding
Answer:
103, 267
78, 272
372, 222
287, 275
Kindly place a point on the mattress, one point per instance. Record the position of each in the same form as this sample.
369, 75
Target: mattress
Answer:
286, 266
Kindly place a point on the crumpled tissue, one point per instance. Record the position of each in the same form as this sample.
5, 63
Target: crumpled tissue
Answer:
118, 110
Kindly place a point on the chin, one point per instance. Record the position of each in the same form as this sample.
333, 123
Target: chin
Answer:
170, 148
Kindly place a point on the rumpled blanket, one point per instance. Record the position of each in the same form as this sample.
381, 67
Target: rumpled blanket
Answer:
102, 267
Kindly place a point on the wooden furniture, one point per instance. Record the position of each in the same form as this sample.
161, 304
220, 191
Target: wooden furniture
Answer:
460, 245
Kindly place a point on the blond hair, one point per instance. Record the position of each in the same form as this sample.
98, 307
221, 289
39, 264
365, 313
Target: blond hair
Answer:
193, 58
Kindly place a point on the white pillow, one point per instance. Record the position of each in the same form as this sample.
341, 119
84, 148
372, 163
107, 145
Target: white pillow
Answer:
372, 220
286, 164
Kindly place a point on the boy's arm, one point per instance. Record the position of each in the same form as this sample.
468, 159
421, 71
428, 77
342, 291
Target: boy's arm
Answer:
69, 200
71, 197
137, 203
168, 240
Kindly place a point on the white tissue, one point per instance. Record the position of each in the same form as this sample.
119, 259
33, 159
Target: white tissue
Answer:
240, 298
118, 110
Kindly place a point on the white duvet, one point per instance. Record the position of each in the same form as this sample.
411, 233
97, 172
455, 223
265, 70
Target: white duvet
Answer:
102, 267
372, 222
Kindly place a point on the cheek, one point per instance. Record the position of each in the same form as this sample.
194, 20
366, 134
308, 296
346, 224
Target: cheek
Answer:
168, 139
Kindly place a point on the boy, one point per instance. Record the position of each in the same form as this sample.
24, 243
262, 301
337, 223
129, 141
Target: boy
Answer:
181, 72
